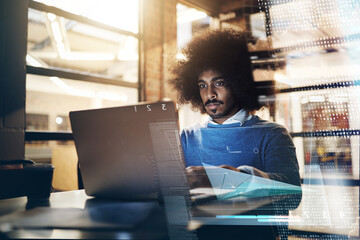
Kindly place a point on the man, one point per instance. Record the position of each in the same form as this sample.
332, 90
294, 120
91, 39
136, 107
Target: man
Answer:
216, 78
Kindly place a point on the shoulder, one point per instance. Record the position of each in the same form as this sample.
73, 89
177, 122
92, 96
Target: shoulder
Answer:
192, 129
190, 134
269, 129
257, 122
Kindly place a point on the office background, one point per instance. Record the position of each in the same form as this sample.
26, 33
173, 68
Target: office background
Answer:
58, 56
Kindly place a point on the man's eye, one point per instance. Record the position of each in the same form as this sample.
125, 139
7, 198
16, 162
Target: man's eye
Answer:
220, 83
201, 86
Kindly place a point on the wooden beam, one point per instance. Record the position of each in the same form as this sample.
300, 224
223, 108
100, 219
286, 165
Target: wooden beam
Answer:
211, 7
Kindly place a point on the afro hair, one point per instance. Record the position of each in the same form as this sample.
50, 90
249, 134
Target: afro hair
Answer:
224, 51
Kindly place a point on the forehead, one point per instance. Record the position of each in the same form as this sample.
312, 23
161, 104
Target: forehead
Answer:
208, 75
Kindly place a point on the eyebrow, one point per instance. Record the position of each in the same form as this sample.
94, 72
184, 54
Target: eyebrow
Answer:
212, 80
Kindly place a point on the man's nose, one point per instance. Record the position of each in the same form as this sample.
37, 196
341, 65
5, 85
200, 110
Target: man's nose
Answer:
211, 92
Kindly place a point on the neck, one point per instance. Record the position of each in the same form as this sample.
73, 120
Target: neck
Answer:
220, 120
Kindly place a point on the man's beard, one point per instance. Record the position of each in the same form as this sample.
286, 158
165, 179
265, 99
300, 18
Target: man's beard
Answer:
213, 116
212, 112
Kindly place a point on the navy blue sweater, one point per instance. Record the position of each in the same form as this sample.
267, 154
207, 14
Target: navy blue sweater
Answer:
264, 145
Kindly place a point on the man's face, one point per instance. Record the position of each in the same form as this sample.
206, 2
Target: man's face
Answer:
216, 96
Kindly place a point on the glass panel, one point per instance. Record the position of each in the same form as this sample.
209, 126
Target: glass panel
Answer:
54, 41
257, 24
314, 20
334, 111
319, 42
314, 67
122, 14
56, 96
58, 42
48, 102
189, 20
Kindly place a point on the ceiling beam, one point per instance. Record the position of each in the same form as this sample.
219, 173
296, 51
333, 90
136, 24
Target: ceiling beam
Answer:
211, 7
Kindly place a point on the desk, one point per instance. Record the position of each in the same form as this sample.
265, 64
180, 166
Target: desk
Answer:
75, 215
92, 218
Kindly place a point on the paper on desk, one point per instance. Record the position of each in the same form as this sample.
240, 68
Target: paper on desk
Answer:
228, 184
75, 218
208, 191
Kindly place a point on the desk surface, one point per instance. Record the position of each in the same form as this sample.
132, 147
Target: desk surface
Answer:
75, 215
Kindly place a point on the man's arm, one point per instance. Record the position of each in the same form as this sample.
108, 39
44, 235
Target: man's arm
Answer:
280, 157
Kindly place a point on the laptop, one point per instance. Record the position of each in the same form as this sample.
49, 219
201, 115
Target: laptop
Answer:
120, 149
135, 153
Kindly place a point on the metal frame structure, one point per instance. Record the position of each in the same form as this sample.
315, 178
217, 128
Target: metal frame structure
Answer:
83, 76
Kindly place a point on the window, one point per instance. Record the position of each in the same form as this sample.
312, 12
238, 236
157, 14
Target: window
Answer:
318, 102
309, 48
189, 20
80, 55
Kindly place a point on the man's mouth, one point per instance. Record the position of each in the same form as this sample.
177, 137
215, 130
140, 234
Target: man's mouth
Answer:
212, 105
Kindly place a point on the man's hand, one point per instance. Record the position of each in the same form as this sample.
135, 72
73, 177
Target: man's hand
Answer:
197, 176
229, 167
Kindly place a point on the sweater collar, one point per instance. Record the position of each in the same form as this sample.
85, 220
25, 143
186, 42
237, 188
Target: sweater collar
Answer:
240, 117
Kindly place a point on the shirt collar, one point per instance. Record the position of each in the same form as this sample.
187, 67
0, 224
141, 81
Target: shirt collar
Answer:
240, 117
